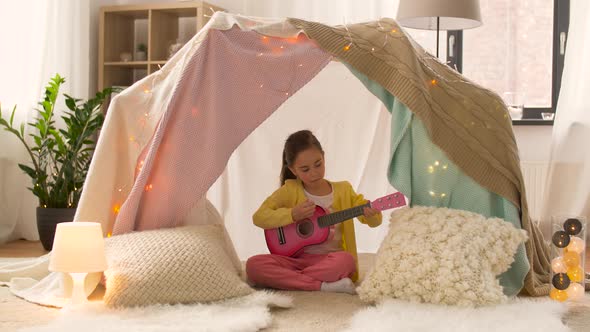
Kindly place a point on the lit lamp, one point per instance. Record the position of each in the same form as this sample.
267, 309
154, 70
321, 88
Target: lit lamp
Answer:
439, 15
78, 248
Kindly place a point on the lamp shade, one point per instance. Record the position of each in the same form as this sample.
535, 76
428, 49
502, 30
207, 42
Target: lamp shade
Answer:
78, 247
453, 14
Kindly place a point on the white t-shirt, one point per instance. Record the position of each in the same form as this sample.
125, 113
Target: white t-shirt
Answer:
334, 241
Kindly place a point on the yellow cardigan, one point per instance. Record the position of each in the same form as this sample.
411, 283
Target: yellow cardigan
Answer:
275, 211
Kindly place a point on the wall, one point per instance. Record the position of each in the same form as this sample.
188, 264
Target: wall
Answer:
534, 142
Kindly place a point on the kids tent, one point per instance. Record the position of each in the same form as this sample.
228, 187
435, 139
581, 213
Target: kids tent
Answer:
168, 138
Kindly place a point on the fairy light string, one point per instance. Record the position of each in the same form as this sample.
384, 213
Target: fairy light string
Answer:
390, 32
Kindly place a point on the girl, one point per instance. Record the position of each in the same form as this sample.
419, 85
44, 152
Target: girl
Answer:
330, 266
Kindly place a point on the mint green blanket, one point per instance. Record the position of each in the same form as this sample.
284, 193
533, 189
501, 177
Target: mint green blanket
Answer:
421, 171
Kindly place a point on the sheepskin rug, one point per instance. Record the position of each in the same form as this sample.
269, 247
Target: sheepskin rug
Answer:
441, 255
244, 314
516, 316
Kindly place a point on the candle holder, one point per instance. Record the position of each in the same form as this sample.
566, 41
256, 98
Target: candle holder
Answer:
568, 255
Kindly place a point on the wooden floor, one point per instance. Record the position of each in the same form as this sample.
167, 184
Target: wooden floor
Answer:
22, 248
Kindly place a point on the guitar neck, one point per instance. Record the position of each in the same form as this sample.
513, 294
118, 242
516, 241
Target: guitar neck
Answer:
340, 216
390, 201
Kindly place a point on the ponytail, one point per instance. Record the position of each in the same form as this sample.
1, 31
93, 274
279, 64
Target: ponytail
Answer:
286, 173
295, 143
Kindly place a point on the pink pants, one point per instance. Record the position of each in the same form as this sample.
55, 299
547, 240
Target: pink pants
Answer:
304, 272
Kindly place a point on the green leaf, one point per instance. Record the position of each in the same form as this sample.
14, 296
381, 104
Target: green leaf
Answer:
30, 172
12, 115
61, 154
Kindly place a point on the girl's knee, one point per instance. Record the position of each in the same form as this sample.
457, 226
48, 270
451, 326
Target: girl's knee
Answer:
253, 263
345, 260
256, 264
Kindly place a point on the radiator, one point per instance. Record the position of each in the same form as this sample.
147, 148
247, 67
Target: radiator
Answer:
534, 174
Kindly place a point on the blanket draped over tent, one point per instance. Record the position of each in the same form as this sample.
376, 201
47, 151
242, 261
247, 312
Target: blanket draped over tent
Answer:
469, 123
237, 71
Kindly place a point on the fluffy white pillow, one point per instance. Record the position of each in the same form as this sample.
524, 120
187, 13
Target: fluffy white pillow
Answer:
174, 265
440, 255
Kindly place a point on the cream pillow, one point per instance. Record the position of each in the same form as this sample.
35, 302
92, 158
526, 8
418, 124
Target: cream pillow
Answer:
440, 255
174, 265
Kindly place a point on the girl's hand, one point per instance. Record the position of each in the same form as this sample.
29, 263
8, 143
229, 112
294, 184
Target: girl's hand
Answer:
303, 210
370, 212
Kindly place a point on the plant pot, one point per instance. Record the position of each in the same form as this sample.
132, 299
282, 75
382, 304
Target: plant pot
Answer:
47, 220
140, 56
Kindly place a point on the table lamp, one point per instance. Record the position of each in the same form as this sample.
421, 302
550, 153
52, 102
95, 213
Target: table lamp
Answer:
78, 248
439, 15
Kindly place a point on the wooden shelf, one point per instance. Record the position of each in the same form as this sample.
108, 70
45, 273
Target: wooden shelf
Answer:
158, 26
127, 63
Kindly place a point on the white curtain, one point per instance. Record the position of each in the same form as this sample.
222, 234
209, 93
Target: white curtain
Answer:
38, 38
568, 184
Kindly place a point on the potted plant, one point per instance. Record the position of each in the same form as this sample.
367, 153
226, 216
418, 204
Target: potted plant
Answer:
141, 53
59, 157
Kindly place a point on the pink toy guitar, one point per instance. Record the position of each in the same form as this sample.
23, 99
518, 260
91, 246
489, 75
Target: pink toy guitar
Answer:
289, 240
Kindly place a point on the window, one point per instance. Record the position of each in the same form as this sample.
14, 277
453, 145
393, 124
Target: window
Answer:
520, 48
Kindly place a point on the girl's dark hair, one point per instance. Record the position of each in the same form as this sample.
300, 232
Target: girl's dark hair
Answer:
295, 143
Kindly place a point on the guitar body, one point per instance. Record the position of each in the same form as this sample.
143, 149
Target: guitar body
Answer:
291, 239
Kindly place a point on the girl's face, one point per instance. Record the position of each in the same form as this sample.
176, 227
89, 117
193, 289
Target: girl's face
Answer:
309, 167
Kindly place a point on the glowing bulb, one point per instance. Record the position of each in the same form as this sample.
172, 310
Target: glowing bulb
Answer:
300, 65
431, 193
347, 47
430, 169
558, 265
148, 187
116, 208
109, 234
443, 195
282, 47
433, 82
445, 166
44, 205
119, 190
576, 274
259, 54
393, 30
146, 90
436, 163
558, 295
576, 245
571, 259
575, 291
261, 85
286, 93
372, 49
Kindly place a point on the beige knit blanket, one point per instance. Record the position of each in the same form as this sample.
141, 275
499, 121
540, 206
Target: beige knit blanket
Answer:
470, 123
